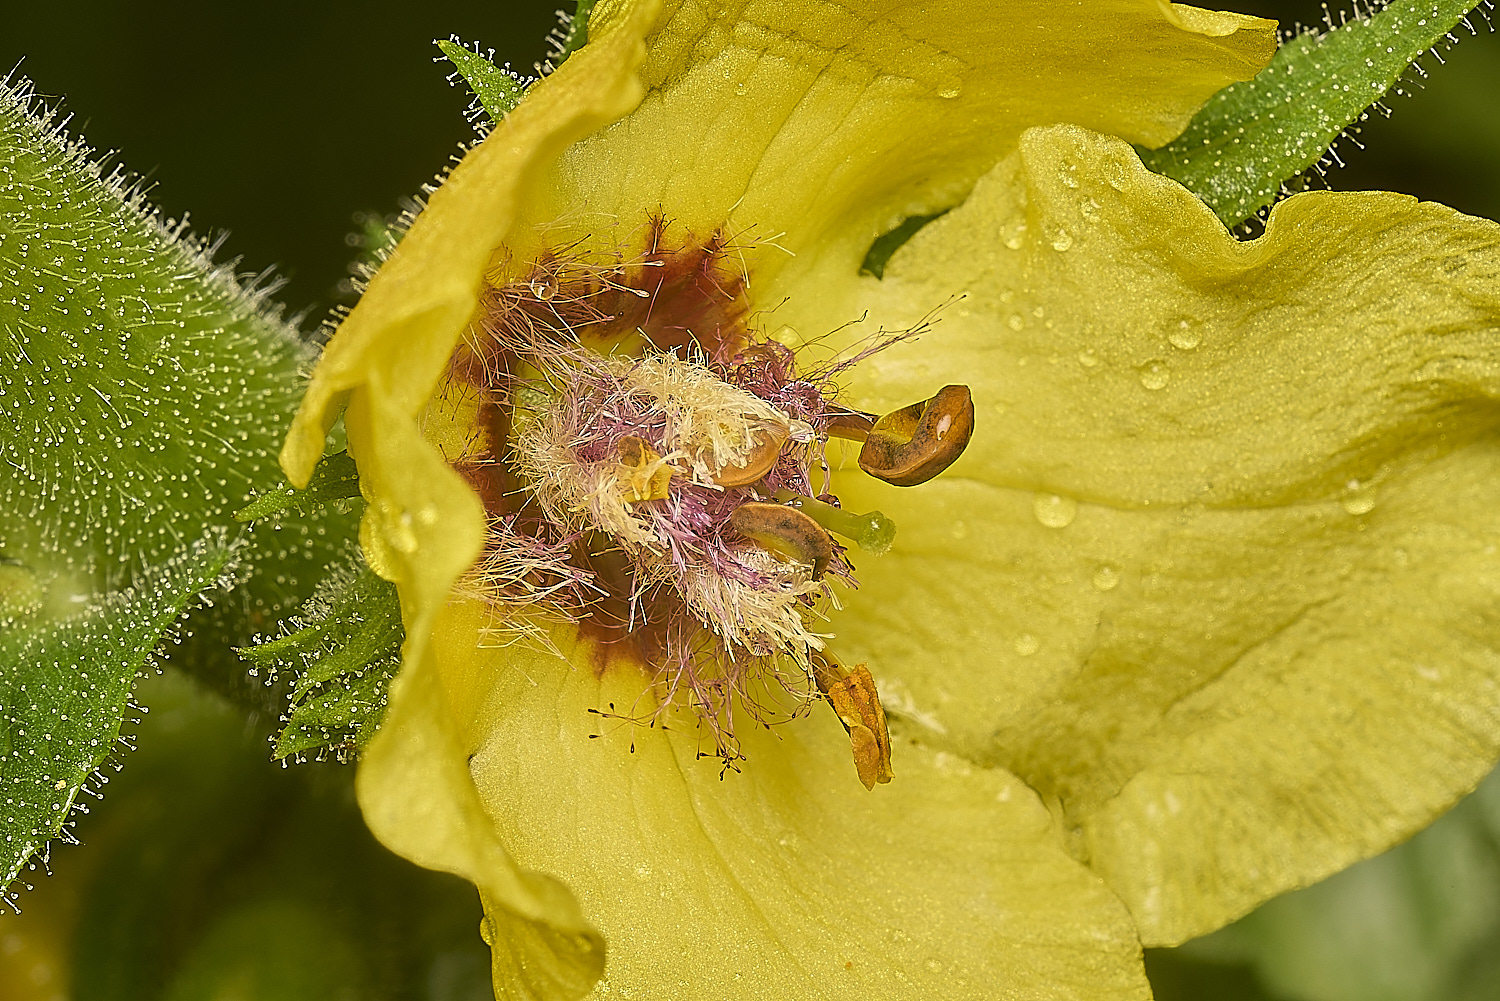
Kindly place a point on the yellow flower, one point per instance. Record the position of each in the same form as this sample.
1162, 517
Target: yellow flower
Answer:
1204, 613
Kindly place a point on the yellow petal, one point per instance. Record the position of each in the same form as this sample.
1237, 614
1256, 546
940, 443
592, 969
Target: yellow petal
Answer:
817, 126
1218, 573
847, 122
423, 526
786, 879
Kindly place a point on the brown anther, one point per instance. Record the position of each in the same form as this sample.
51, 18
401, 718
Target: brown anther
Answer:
785, 532
916, 443
648, 477
851, 692
759, 460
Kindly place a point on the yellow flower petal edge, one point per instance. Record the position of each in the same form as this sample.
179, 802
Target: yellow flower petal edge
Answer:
423, 526
786, 879
1218, 574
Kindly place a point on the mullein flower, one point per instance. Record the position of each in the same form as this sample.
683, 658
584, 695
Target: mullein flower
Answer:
1193, 619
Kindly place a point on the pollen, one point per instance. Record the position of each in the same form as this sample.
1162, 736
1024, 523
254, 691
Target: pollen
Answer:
656, 476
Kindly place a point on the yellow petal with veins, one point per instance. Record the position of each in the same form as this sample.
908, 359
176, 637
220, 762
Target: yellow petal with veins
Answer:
818, 126
786, 878
1218, 574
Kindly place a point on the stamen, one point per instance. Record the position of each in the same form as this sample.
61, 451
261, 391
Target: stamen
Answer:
872, 532
785, 532
853, 425
851, 692
759, 460
648, 475
916, 443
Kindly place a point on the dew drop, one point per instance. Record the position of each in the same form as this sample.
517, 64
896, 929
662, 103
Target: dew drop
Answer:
1106, 578
1017, 239
1054, 511
1087, 358
1062, 240
1358, 498
1068, 175
1027, 644
951, 91
1185, 335
1154, 374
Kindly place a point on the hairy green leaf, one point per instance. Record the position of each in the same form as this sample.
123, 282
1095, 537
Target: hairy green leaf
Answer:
213, 875
496, 90
144, 394
577, 34
1252, 137
64, 688
335, 479
342, 651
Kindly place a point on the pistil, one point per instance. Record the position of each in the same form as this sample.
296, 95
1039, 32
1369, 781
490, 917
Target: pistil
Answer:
872, 532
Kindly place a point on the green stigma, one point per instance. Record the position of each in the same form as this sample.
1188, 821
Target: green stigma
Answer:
872, 532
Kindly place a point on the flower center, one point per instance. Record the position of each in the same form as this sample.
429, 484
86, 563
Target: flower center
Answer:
656, 474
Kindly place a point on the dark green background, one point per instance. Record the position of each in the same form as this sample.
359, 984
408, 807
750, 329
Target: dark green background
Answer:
273, 120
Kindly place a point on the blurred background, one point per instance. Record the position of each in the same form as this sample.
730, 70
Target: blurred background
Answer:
284, 124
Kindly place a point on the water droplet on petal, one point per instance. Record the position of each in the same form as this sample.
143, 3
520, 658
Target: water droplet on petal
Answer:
1054, 511
1087, 358
1068, 175
1062, 240
1154, 374
1358, 498
1027, 644
1184, 335
1106, 578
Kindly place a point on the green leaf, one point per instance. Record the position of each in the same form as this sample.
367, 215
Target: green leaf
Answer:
144, 394
64, 689
1419, 923
335, 479
885, 246
496, 91
1251, 138
213, 874
577, 34
342, 651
